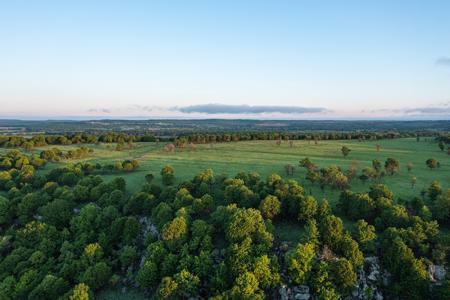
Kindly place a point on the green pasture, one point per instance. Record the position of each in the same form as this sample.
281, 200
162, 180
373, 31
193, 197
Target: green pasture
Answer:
265, 157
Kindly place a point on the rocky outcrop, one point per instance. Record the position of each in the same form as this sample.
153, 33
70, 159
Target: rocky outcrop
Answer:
147, 228
437, 272
368, 279
300, 292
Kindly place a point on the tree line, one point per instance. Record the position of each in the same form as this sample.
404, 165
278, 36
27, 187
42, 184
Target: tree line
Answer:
121, 138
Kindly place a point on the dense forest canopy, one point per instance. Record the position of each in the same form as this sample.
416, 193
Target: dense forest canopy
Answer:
69, 232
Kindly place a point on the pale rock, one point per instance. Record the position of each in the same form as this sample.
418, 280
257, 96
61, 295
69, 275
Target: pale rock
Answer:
437, 272
301, 292
283, 292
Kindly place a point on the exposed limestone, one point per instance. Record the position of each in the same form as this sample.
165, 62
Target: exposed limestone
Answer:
300, 292
437, 272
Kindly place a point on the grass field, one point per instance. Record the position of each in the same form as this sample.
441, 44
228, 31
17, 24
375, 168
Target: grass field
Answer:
265, 157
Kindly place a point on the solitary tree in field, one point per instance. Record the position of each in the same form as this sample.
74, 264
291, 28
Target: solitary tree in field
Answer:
391, 166
413, 181
149, 178
432, 163
170, 148
167, 174
409, 166
441, 145
345, 150
352, 170
307, 164
289, 169
376, 164
378, 147
119, 147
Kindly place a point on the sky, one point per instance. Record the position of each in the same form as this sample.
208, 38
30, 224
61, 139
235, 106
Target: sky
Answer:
225, 59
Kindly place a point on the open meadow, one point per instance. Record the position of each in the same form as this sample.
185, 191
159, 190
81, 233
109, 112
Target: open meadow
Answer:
266, 157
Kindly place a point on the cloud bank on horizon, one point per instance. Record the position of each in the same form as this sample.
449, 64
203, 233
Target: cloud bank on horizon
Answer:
215, 108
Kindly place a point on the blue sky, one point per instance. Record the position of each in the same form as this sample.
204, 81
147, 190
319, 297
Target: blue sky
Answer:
318, 59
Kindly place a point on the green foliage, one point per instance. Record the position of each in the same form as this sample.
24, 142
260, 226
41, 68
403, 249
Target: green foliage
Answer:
270, 207
96, 276
432, 163
167, 174
299, 262
248, 223
410, 275
246, 287
175, 231
345, 151
50, 288
365, 235
391, 165
80, 292
441, 207
331, 231
65, 226
342, 275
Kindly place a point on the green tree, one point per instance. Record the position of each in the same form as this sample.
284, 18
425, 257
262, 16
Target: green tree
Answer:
365, 235
248, 223
331, 231
168, 175
58, 212
149, 178
441, 207
349, 248
391, 166
299, 262
188, 284
96, 276
167, 289
434, 190
131, 229
148, 275
270, 207
246, 287
5, 212
307, 208
345, 151
342, 275
312, 233
321, 283
80, 292
51, 287
266, 272
432, 163
128, 256
175, 230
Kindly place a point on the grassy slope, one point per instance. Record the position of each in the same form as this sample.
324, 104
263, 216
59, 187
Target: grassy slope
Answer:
265, 157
